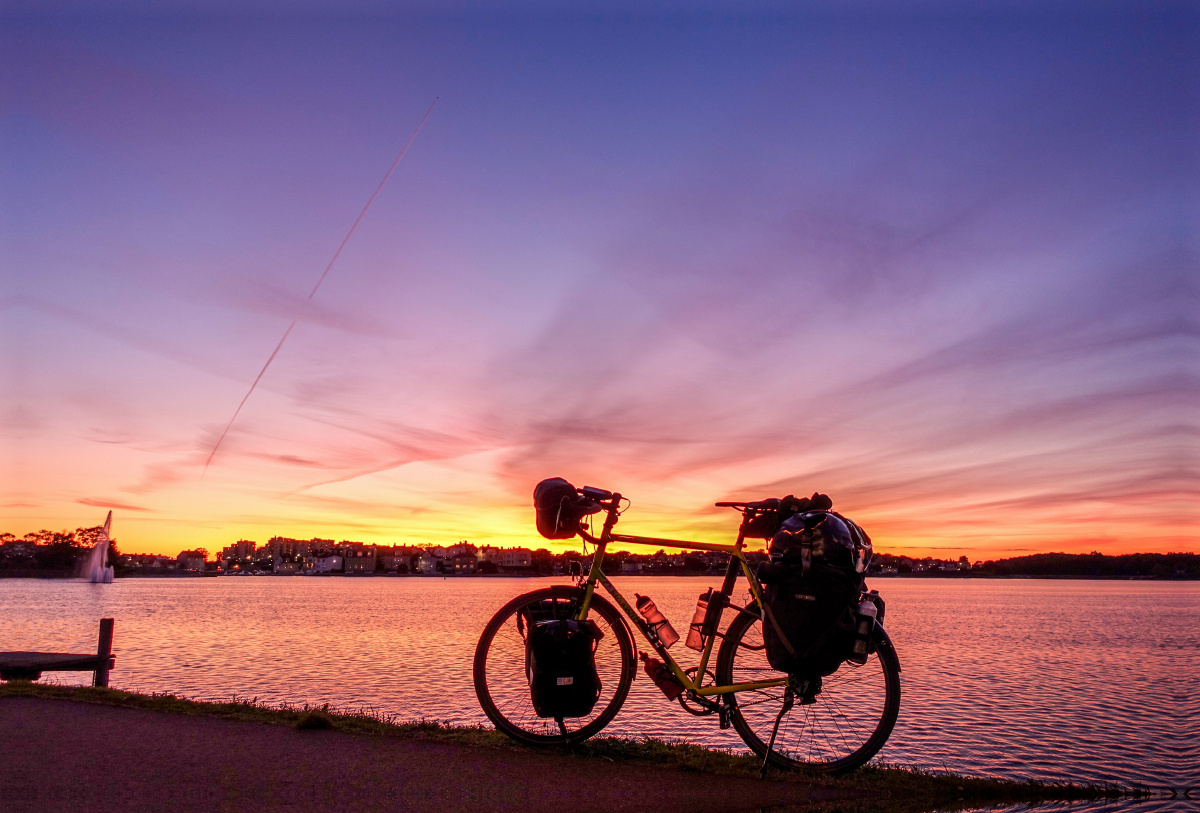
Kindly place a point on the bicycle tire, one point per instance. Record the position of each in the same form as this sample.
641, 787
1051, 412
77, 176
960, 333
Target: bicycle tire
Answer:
848, 723
501, 683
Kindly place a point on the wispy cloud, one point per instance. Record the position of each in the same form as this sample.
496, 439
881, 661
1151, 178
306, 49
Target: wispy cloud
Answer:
123, 506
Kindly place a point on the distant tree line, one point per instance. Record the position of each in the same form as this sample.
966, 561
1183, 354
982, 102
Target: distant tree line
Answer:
52, 552
1098, 566
1093, 565
62, 552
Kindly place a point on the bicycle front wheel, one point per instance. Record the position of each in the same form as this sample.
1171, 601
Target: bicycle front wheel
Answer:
502, 683
848, 722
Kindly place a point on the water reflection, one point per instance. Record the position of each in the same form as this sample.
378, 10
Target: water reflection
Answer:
1144, 805
1087, 681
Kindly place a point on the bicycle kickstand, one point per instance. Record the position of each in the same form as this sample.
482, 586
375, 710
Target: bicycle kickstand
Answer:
562, 727
789, 699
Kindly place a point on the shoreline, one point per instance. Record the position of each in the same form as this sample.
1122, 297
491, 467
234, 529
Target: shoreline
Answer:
167, 574
889, 789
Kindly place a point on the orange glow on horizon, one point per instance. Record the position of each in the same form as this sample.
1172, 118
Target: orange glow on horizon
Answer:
905, 530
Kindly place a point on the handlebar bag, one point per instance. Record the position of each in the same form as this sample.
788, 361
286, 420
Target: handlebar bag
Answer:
560, 508
561, 659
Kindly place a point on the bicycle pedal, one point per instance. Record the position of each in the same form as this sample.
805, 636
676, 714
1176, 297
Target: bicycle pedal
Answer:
723, 713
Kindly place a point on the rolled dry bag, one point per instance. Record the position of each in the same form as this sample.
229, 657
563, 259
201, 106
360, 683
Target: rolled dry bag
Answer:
561, 655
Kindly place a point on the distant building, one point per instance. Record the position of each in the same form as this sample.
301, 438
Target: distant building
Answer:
324, 562
461, 548
397, 558
237, 556
192, 560
287, 565
18, 549
242, 549
429, 562
282, 546
515, 557
135, 561
360, 560
464, 563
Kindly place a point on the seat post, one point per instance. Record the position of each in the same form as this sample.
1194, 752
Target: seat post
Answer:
734, 568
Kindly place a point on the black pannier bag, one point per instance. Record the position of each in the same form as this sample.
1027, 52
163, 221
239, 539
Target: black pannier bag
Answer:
813, 583
559, 508
560, 659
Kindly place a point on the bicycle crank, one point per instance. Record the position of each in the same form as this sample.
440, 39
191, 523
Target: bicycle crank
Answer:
696, 704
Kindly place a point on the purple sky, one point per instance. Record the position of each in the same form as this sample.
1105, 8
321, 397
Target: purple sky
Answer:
942, 268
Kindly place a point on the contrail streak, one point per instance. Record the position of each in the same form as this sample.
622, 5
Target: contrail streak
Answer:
312, 293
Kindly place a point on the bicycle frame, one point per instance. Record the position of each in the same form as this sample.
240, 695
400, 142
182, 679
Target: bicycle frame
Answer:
737, 563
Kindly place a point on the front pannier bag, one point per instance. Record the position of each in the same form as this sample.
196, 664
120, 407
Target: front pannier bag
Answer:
560, 508
561, 659
813, 585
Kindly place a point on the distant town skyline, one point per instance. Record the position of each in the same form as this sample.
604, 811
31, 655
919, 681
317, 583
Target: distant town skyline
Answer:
938, 267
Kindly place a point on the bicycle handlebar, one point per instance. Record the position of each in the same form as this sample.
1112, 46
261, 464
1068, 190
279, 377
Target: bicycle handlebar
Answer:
760, 505
593, 493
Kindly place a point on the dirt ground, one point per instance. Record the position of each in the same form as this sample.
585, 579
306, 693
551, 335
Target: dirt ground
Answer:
58, 755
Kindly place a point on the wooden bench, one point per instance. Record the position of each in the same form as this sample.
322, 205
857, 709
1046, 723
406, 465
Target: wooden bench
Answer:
30, 665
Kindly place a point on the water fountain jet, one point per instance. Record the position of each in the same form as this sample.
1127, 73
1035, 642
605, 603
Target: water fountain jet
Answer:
96, 569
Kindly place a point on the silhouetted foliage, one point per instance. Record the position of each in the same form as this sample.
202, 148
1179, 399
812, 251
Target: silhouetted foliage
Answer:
53, 551
1097, 565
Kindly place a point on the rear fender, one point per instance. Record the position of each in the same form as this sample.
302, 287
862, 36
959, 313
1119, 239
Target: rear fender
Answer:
882, 641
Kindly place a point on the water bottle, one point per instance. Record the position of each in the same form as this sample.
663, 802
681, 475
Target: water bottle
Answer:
864, 626
695, 639
662, 677
657, 621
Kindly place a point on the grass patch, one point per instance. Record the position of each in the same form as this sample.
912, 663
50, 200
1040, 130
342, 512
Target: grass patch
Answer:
311, 720
895, 789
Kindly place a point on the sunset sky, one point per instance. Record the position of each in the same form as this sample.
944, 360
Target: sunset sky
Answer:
941, 268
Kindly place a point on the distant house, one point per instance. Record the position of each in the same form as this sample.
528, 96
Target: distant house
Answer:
18, 549
631, 566
461, 548
324, 562
429, 561
135, 561
192, 560
287, 565
464, 563
360, 561
515, 557
397, 558
662, 561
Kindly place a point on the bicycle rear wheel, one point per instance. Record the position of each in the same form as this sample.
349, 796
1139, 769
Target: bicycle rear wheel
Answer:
502, 684
848, 723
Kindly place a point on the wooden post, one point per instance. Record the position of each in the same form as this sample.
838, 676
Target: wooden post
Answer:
104, 651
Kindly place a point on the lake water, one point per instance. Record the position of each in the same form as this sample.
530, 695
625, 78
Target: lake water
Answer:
1066, 680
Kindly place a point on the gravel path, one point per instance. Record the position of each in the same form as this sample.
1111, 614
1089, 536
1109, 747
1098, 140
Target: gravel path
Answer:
58, 755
